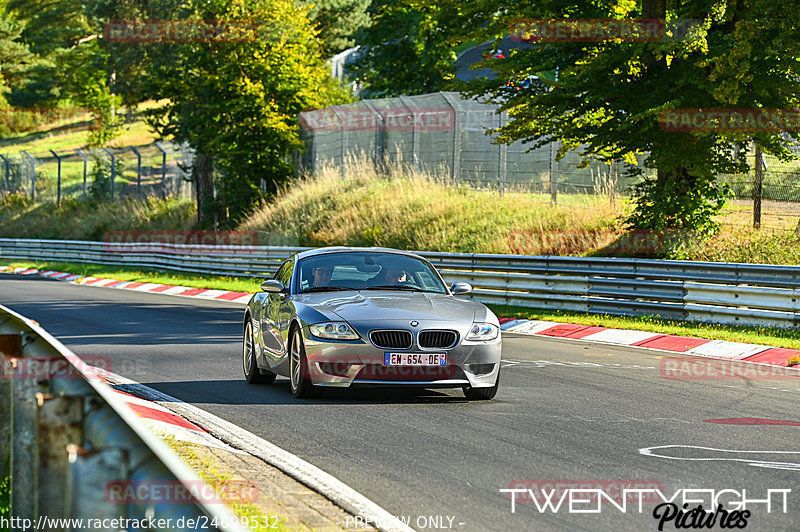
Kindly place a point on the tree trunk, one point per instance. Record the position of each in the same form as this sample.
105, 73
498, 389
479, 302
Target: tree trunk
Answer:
203, 177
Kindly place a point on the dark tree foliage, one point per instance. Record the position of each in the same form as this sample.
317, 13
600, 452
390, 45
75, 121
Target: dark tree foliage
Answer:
608, 95
407, 49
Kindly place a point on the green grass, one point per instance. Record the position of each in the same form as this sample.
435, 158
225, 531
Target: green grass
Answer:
78, 220
234, 284
5, 497
775, 337
223, 482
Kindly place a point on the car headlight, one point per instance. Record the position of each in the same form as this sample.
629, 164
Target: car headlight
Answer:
482, 332
333, 330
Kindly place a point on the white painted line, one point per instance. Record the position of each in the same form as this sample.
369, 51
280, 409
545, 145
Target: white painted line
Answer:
210, 294
620, 336
725, 349
147, 287
243, 299
107, 282
71, 278
310, 475
175, 290
61, 275
532, 326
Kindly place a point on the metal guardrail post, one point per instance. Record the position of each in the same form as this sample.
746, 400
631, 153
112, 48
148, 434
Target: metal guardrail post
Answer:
163, 166
138, 170
85, 163
24, 428
32, 162
554, 172
58, 200
7, 182
59, 420
113, 170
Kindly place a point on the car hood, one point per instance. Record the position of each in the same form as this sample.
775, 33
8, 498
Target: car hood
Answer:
379, 306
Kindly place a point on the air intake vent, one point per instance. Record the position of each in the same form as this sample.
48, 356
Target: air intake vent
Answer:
438, 339
391, 339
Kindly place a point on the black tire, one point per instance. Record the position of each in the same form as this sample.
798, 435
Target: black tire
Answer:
481, 394
252, 374
299, 383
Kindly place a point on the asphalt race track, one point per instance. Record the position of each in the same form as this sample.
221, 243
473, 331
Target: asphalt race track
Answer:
566, 412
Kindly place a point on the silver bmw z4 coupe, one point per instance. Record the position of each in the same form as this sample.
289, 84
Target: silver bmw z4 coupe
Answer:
341, 317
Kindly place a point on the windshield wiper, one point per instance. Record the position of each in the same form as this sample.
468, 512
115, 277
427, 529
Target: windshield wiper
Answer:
324, 289
395, 287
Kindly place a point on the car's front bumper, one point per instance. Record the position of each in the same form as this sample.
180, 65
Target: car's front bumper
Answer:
359, 363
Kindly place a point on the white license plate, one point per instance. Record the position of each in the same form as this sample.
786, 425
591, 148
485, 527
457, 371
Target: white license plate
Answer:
414, 359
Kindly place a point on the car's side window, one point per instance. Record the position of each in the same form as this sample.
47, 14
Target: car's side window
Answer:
284, 273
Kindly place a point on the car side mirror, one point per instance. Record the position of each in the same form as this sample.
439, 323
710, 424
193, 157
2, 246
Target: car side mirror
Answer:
273, 286
460, 288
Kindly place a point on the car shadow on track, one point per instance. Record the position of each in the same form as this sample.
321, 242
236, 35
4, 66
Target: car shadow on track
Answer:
238, 392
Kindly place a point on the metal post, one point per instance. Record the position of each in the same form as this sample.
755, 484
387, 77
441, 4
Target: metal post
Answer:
503, 157
455, 169
113, 170
8, 173
553, 172
138, 171
405, 100
163, 166
59, 420
10, 346
85, 163
33, 174
27, 382
58, 196
758, 181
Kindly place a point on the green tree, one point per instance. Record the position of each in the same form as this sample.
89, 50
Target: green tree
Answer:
15, 58
50, 29
337, 21
608, 95
236, 103
407, 48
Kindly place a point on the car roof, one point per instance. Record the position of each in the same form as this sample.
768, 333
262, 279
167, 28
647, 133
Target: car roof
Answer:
347, 249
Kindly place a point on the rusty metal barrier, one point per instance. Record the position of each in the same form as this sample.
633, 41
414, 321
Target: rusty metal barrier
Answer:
65, 437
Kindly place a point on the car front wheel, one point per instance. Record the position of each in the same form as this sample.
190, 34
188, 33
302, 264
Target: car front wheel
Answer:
481, 394
300, 384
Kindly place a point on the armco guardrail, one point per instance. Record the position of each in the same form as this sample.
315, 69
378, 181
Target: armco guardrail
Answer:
68, 441
682, 290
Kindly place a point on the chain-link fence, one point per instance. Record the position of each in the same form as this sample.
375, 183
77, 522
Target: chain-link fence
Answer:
444, 135
152, 170
777, 206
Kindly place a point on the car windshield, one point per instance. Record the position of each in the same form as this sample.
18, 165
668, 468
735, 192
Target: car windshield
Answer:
368, 271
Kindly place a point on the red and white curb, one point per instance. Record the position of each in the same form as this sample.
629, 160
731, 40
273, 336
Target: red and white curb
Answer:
664, 342
763, 354
183, 291
164, 423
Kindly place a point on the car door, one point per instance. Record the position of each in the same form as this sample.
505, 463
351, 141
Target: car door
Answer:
274, 346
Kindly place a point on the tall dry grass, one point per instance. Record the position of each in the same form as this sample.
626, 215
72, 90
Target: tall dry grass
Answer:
407, 209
